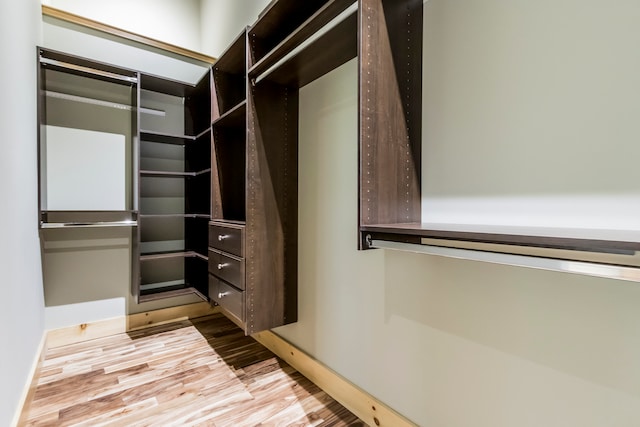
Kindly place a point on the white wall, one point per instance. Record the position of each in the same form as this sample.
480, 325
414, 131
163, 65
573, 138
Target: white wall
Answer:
222, 21
206, 26
447, 342
21, 304
172, 21
76, 40
529, 113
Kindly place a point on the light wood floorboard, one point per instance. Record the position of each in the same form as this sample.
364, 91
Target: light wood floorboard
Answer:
203, 372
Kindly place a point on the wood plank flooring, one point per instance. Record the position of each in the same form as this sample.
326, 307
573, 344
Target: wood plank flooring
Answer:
203, 372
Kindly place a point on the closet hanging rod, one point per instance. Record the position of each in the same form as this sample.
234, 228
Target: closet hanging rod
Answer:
565, 266
89, 224
88, 70
93, 101
302, 46
86, 100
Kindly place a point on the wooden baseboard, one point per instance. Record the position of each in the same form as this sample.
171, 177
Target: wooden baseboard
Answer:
30, 387
116, 325
362, 404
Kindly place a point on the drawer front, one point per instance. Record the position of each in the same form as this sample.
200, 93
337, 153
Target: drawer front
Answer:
227, 239
227, 268
227, 297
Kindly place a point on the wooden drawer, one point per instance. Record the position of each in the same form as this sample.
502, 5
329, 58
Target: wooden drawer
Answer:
227, 238
227, 267
227, 297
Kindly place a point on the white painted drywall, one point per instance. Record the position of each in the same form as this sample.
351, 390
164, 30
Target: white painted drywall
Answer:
75, 40
85, 170
530, 113
21, 304
449, 342
172, 21
222, 21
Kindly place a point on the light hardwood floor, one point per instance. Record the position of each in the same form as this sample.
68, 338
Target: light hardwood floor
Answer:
203, 372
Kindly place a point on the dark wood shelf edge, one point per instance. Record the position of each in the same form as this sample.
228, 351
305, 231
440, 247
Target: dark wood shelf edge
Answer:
165, 138
166, 85
171, 294
166, 255
413, 231
231, 113
160, 174
228, 222
188, 216
203, 133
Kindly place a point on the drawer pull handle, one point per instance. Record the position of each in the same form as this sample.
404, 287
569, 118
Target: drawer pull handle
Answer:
222, 237
221, 266
222, 294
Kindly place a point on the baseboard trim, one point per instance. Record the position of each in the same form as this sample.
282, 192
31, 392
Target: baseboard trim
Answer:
116, 325
30, 387
362, 404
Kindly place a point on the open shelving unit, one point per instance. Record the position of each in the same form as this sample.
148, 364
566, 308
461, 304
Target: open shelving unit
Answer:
175, 188
87, 113
253, 233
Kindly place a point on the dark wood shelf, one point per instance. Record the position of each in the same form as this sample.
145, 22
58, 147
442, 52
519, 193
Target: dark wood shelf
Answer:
329, 51
166, 255
165, 138
75, 65
163, 85
318, 20
167, 174
147, 296
235, 117
200, 216
222, 221
604, 241
162, 174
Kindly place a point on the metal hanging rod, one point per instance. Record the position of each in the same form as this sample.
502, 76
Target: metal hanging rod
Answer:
302, 46
89, 224
88, 70
566, 266
85, 100
93, 101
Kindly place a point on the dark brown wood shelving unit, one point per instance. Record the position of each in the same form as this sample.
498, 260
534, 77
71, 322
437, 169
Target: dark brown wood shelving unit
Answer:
390, 109
254, 232
175, 188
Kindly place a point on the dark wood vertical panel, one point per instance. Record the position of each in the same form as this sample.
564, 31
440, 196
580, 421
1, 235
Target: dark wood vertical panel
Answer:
272, 192
216, 188
198, 106
390, 121
136, 275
